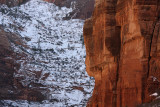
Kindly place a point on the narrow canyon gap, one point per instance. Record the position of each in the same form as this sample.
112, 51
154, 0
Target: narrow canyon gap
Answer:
122, 42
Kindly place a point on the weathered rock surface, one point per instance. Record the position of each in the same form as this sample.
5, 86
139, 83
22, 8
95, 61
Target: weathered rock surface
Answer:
11, 88
6, 65
122, 44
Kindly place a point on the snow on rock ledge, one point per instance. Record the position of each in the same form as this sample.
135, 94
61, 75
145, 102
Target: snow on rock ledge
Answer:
55, 51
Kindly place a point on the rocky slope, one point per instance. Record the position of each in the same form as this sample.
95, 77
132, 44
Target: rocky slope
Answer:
82, 9
122, 44
43, 55
11, 88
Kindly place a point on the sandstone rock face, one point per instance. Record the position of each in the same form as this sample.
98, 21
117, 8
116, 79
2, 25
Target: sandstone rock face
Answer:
11, 3
122, 45
82, 8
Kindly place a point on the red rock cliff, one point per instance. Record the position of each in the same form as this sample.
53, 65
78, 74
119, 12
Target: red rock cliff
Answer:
122, 46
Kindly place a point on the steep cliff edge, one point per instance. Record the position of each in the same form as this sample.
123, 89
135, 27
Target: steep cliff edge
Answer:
122, 46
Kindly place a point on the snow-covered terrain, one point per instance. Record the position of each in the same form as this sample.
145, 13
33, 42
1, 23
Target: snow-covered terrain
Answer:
55, 50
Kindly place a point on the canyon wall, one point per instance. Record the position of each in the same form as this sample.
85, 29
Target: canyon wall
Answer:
122, 47
11, 87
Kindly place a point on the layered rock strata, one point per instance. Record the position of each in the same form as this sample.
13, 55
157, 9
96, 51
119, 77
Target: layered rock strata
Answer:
122, 46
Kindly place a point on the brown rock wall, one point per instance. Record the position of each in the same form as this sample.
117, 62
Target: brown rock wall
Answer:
122, 42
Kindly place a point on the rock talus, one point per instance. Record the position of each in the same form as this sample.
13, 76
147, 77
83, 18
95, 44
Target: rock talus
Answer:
122, 46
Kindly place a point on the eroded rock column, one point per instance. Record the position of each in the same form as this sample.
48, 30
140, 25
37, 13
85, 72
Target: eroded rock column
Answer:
102, 40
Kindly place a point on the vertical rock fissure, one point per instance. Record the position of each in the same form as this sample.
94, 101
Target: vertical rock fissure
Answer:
150, 47
117, 71
126, 81
117, 78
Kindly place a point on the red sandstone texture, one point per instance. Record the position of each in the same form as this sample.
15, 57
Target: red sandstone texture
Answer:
122, 42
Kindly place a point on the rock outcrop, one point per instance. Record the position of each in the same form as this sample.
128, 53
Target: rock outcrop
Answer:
122, 46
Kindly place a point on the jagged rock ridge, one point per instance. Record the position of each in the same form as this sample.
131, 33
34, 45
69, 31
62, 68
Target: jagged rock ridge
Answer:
122, 44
